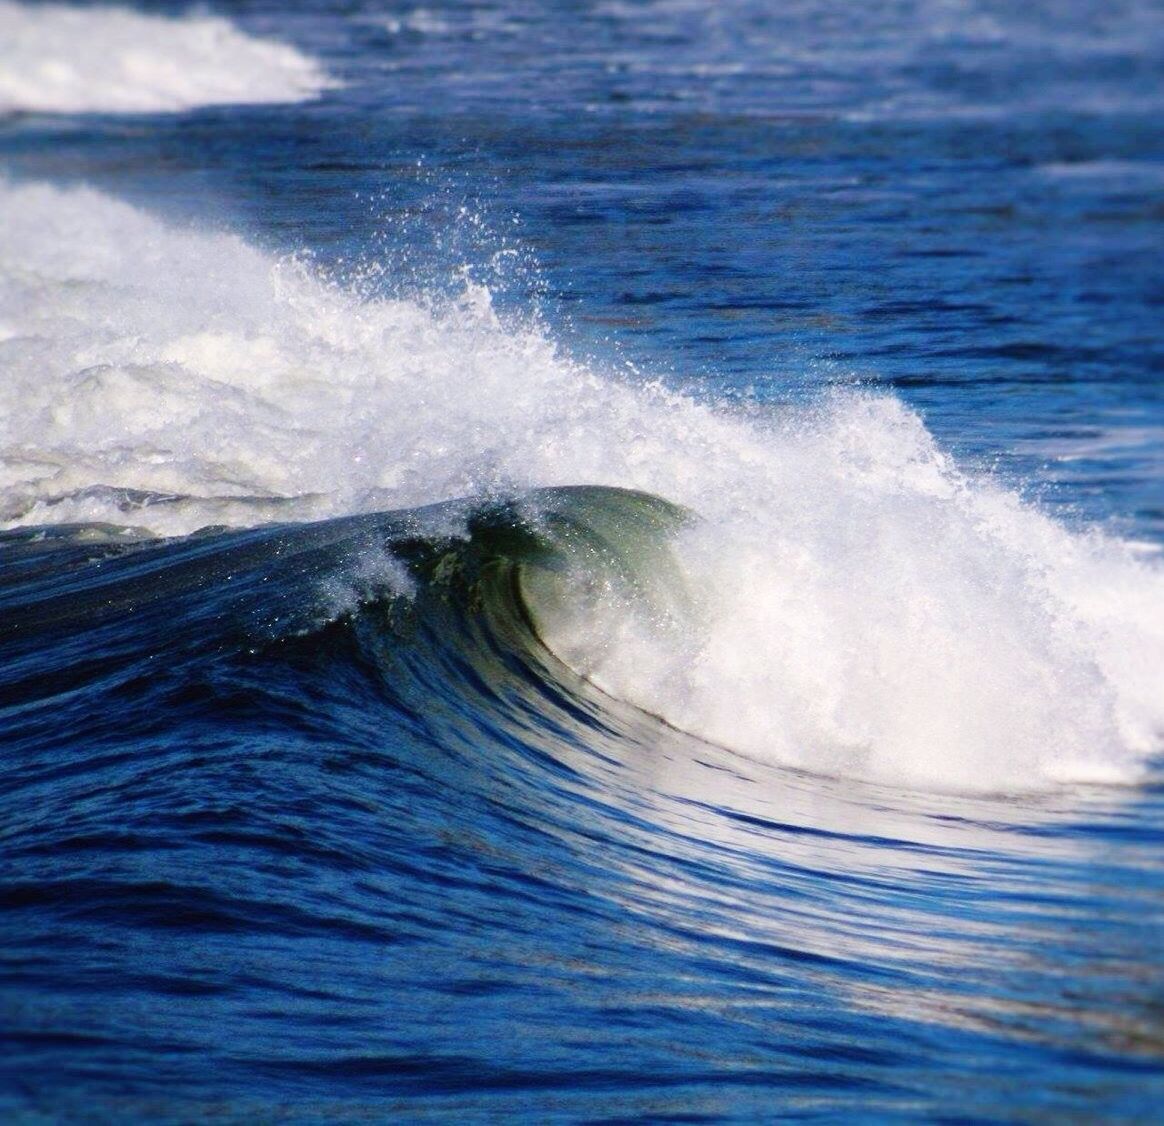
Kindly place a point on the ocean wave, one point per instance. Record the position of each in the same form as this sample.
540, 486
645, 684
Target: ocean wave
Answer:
844, 599
327, 775
57, 58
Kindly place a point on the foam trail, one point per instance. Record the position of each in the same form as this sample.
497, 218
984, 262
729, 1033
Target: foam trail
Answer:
862, 606
56, 58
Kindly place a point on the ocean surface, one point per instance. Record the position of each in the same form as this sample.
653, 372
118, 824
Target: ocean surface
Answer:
586, 561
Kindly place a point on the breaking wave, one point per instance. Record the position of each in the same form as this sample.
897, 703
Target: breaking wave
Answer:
56, 58
829, 591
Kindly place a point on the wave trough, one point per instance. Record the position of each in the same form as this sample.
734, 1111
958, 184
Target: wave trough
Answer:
843, 599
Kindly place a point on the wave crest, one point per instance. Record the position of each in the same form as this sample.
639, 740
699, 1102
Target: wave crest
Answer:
858, 605
56, 58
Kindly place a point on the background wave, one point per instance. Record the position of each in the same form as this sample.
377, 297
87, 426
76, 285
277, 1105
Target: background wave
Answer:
57, 58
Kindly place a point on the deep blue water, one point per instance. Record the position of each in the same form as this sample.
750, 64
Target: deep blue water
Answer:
359, 760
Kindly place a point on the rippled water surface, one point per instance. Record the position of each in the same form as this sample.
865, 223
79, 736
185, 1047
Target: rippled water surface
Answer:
584, 561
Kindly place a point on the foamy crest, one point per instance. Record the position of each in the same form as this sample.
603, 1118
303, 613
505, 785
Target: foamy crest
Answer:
861, 606
62, 59
868, 610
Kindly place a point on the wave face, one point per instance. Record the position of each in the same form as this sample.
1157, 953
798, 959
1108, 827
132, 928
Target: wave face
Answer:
854, 604
308, 815
62, 59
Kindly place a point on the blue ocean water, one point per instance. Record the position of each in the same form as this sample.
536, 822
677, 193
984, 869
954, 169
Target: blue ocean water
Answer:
591, 561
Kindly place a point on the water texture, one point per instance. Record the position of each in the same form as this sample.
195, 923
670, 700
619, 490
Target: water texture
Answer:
587, 561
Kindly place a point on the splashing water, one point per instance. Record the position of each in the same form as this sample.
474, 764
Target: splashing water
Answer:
852, 603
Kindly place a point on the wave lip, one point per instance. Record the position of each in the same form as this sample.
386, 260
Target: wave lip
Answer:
845, 601
56, 58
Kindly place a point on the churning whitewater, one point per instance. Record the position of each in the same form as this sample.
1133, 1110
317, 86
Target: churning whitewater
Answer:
839, 596
63, 59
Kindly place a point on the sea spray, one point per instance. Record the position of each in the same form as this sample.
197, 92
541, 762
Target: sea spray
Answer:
855, 603
868, 610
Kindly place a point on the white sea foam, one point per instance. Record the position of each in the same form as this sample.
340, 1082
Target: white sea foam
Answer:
863, 607
57, 58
